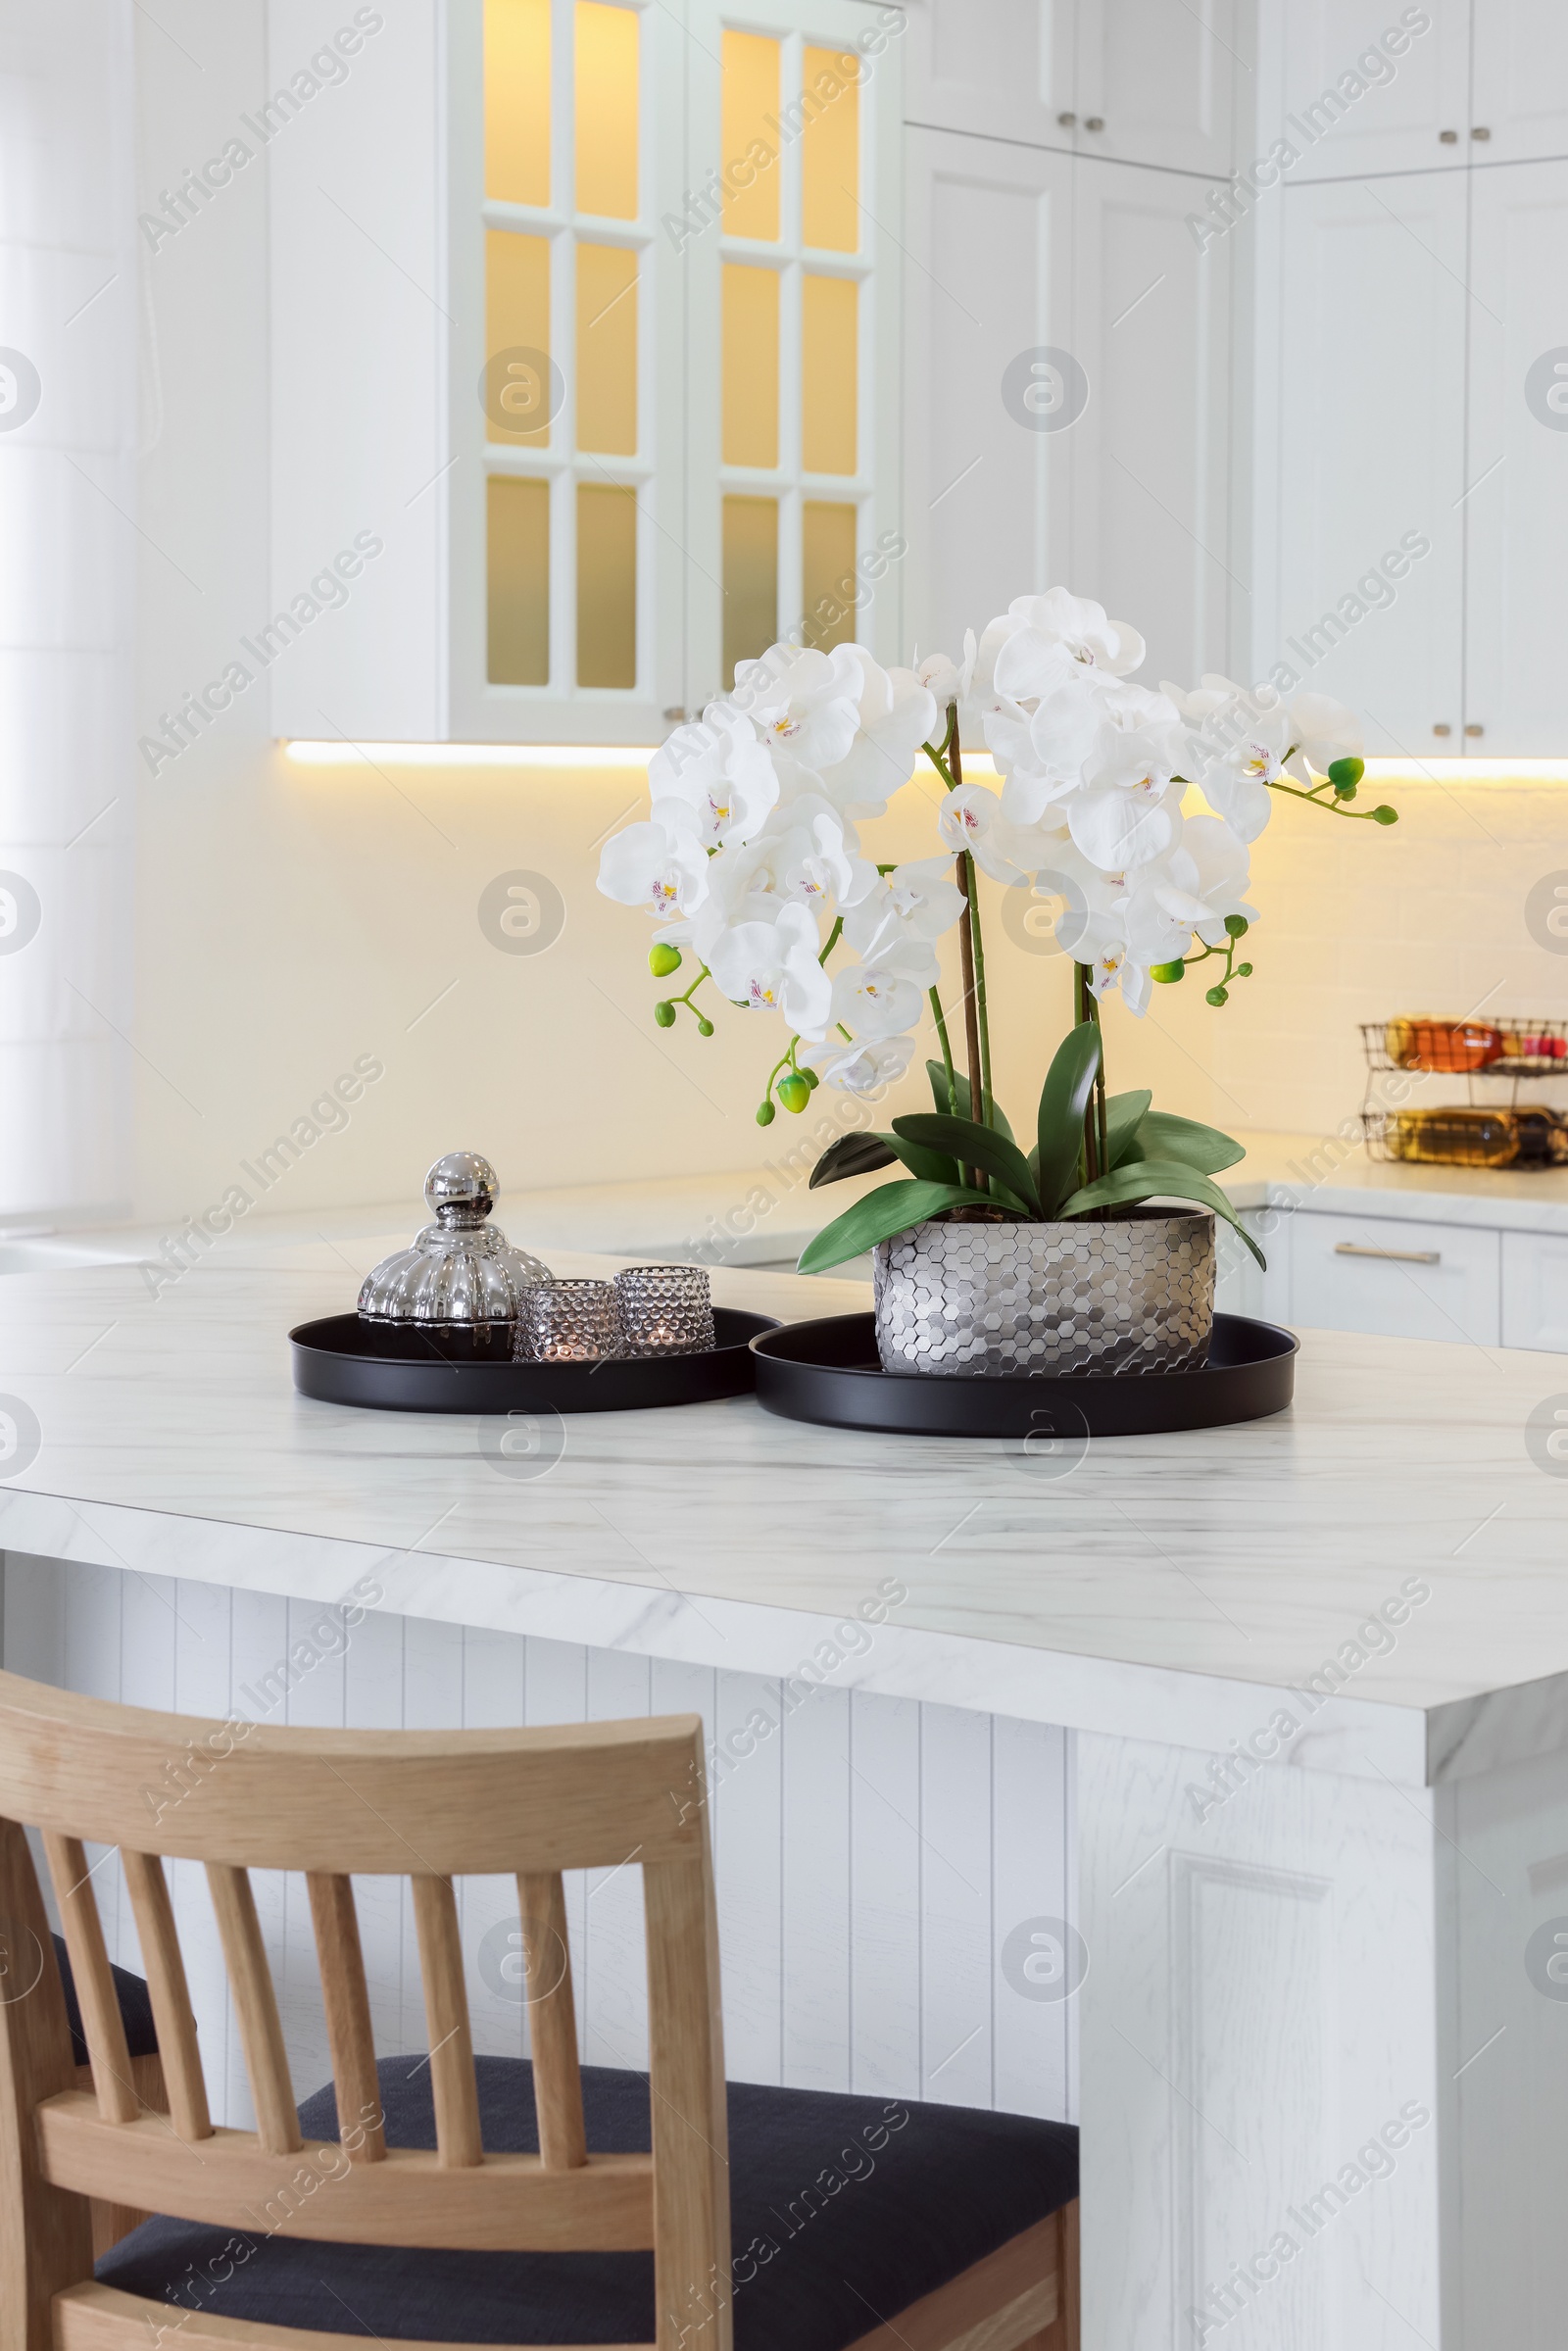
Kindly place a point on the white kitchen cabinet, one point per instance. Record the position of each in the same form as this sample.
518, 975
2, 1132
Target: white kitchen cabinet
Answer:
1520, 95
1362, 87
1517, 465
1396, 1276
1362, 488
1535, 1291
1122, 81
1017, 250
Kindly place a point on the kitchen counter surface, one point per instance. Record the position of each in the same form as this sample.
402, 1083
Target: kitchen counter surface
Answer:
1178, 1587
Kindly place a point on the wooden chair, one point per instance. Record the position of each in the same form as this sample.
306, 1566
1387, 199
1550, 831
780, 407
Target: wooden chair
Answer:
433, 1806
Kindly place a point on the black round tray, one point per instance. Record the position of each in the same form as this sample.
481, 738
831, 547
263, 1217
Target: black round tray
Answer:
393, 1368
828, 1371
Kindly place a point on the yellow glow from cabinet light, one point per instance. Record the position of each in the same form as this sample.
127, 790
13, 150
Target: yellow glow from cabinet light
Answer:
1476, 770
465, 754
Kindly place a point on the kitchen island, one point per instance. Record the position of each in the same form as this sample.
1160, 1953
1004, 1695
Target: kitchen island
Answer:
1288, 1700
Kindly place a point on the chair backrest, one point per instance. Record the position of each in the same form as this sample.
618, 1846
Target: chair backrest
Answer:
427, 1805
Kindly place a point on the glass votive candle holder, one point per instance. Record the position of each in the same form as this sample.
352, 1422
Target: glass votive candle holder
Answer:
666, 1310
570, 1321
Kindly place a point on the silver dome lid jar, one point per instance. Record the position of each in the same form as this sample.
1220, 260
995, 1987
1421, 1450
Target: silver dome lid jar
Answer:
459, 1272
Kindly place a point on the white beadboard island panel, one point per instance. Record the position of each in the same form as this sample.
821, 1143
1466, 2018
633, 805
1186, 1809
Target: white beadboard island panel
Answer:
873, 1854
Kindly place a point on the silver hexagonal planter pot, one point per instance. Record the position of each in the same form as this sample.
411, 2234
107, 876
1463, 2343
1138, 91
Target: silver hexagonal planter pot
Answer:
981, 1295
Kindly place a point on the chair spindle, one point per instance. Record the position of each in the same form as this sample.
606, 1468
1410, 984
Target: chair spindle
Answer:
256, 2005
446, 2015
102, 2026
552, 2023
169, 1994
349, 2031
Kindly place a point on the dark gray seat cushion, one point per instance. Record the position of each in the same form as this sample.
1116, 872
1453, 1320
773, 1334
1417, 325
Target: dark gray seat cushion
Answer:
135, 2007
844, 2211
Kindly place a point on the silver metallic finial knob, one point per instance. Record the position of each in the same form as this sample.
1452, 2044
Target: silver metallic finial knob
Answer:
460, 1190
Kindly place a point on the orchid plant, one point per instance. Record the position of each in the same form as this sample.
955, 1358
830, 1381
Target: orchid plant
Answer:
750, 862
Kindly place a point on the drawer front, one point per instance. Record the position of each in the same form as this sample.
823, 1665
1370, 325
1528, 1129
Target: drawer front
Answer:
1535, 1292
1406, 1281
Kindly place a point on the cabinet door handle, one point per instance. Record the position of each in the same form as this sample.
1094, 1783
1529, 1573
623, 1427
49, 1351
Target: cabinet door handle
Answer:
1393, 1256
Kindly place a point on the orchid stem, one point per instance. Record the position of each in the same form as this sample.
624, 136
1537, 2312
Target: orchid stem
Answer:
939, 1019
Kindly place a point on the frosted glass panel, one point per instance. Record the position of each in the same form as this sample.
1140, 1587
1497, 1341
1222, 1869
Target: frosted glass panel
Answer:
518, 578
827, 573
607, 586
751, 366
750, 135
830, 152
829, 376
607, 110
517, 100
606, 349
751, 580
516, 323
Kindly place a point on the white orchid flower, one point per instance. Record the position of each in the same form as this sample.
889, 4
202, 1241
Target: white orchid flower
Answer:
875, 1000
1059, 635
919, 900
1129, 809
720, 769
867, 1068
1322, 731
1234, 781
1115, 968
971, 819
1221, 879
805, 704
810, 854
948, 681
894, 713
659, 864
773, 968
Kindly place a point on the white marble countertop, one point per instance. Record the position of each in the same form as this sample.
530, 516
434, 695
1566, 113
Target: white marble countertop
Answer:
1177, 1587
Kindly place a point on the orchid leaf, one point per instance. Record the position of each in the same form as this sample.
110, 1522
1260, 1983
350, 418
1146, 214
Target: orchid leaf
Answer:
852, 1155
1123, 1112
1161, 1134
938, 1073
1063, 1099
1158, 1178
891, 1209
972, 1145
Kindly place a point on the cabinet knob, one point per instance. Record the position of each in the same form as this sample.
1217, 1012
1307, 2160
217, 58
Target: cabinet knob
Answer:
1443, 727
675, 714
1066, 120
1479, 132
1449, 138
1098, 123
1473, 729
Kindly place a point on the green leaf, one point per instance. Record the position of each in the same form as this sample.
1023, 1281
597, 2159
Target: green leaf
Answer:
852, 1155
938, 1074
972, 1145
892, 1209
1122, 1115
1158, 1178
1063, 1099
1163, 1136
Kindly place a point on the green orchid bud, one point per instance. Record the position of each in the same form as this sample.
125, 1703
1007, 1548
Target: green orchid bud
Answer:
1244, 971
664, 1015
1167, 974
1217, 996
1384, 815
1345, 791
1237, 927
766, 1114
705, 1027
812, 1079
1345, 775
662, 959
794, 1092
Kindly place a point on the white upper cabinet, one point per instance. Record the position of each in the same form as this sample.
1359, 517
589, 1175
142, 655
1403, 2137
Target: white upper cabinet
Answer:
1521, 80
1517, 469
1371, 85
581, 315
1361, 476
1153, 83
1133, 81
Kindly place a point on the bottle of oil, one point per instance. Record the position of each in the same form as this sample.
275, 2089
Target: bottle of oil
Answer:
1454, 1138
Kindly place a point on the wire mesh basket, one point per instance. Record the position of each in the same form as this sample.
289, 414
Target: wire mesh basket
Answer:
1492, 1127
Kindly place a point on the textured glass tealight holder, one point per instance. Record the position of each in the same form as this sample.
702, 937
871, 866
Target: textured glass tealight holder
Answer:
570, 1321
666, 1310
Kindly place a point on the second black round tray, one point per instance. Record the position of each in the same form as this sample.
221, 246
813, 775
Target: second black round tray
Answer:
407, 1368
828, 1371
